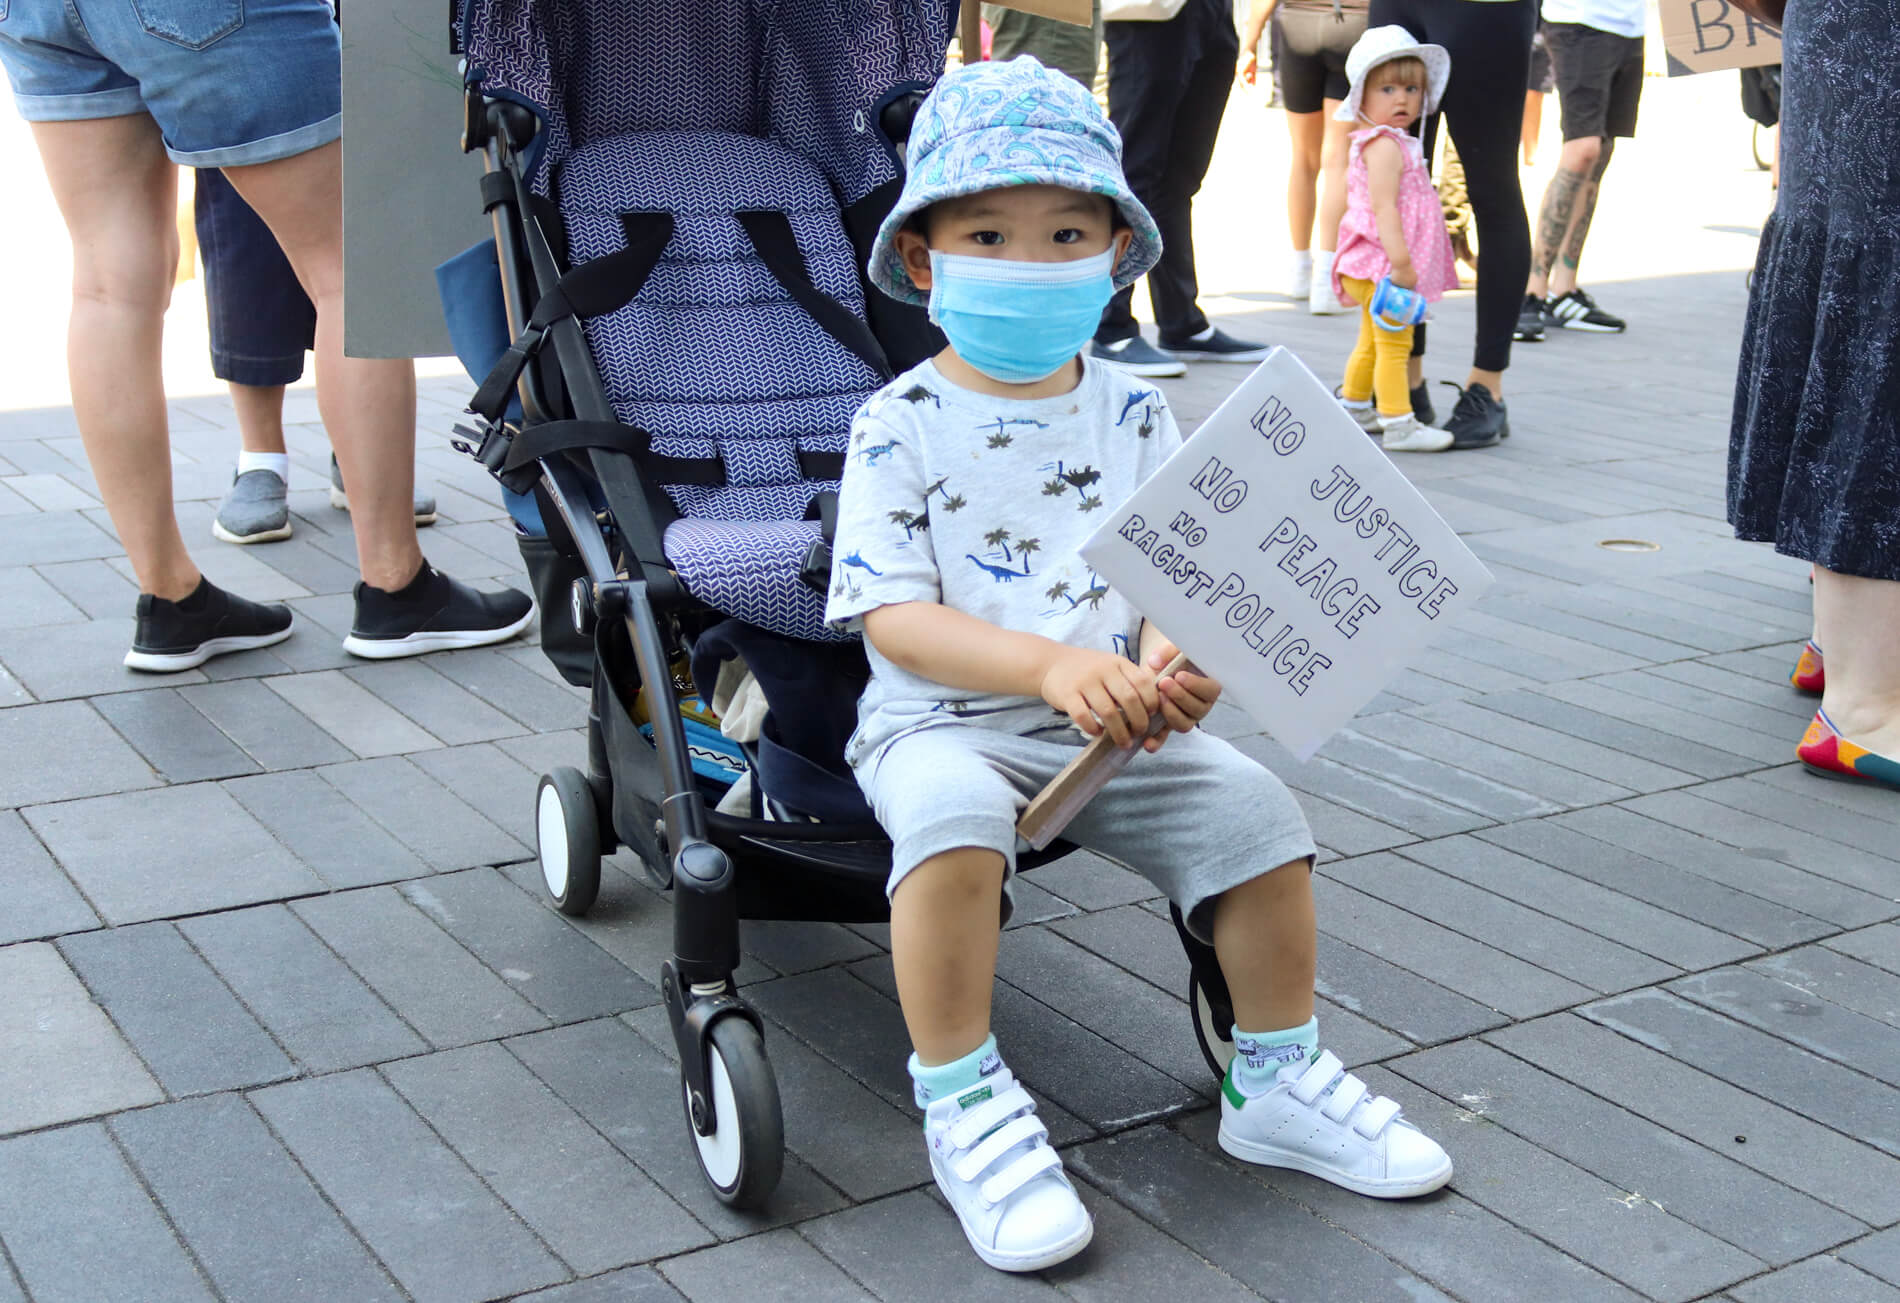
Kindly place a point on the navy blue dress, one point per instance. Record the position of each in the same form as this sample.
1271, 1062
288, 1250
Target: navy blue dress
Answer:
1814, 448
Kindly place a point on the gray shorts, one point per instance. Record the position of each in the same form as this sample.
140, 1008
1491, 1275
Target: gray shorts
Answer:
1195, 818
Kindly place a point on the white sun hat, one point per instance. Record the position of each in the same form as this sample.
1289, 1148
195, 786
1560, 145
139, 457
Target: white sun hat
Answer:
1383, 44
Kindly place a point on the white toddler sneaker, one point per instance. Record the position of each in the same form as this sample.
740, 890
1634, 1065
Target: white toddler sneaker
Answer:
1408, 434
992, 1159
1320, 1119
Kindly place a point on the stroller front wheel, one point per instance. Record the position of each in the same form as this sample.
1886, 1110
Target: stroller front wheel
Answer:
744, 1155
567, 836
1213, 1028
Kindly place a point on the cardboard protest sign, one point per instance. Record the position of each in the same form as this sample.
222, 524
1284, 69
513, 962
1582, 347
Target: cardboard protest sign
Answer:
1713, 36
1285, 554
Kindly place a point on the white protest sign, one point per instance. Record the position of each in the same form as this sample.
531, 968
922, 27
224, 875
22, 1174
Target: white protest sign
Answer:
1288, 557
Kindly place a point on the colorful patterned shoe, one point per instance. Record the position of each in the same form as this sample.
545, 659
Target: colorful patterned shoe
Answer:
1810, 675
1825, 752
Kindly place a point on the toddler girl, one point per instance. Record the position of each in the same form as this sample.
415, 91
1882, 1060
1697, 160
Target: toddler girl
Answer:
1394, 255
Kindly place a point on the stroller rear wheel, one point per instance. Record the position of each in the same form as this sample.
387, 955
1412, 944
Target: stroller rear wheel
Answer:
1213, 1028
745, 1153
567, 836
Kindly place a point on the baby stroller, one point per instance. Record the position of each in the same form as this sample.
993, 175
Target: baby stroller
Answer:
674, 331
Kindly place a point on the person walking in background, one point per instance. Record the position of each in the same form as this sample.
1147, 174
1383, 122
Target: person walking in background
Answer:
1489, 42
1066, 47
1168, 83
1814, 448
118, 96
1311, 39
1542, 83
1596, 57
261, 323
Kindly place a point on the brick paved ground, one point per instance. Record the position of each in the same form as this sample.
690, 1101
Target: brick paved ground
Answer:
285, 1017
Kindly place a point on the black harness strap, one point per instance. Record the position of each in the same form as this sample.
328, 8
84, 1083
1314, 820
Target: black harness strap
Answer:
820, 465
771, 234
539, 441
598, 286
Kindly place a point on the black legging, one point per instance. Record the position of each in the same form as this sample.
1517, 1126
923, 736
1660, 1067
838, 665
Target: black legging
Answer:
1490, 46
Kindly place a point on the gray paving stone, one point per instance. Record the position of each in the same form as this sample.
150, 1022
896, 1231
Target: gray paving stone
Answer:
1879, 946
1816, 1088
1877, 1255
801, 947
630, 1092
75, 754
325, 830
776, 1267
1658, 703
438, 706
910, 1247
180, 850
274, 733
431, 982
314, 1006
47, 537
1487, 975
81, 1229
1776, 1141
11, 691
1752, 833
308, 566
10, 1289
425, 816
351, 714
1347, 832
60, 1057
525, 942
27, 600
1838, 979
628, 1285
1060, 1059
519, 693
183, 1021
40, 900
1090, 882
1630, 876
1756, 874
79, 660
858, 1142
1619, 735
590, 1204
1533, 936
179, 742
1130, 1261
1632, 637
1818, 1278
1431, 761
1261, 1239
1368, 794
252, 1218
1873, 833
1800, 1014
1697, 1184
1524, 738
420, 1209
489, 777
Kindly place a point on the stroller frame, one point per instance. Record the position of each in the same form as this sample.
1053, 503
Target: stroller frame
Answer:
719, 868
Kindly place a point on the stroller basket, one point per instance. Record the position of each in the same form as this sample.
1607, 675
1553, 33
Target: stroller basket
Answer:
672, 332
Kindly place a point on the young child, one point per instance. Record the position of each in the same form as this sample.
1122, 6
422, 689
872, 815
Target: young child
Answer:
1393, 229
996, 651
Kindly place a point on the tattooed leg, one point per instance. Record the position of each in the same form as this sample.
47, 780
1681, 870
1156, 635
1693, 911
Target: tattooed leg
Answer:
1563, 278
1567, 195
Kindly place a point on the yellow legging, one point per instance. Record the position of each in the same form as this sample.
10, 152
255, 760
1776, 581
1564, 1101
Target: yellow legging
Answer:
1378, 361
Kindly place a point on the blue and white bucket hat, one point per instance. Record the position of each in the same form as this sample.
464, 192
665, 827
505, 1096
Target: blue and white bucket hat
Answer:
995, 124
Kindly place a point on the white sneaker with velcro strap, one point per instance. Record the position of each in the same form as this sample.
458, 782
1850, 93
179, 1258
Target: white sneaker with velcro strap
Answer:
992, 1159
1320, 1119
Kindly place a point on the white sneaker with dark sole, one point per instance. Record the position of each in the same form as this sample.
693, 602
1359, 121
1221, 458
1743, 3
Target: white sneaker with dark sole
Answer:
168, 637
1320, 1119
991, 1156
433, 613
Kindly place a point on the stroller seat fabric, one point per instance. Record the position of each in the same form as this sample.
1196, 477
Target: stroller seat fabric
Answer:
718, 361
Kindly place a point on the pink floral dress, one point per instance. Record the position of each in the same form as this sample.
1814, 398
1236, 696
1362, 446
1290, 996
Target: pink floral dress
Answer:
1361, 255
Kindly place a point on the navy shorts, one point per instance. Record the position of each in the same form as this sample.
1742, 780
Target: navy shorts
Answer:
261, 322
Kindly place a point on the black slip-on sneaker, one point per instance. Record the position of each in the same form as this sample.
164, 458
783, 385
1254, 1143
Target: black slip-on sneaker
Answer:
1214, 345
433, 612
1530, 320
1578, 311
1137, 356
1478, 421
171, 636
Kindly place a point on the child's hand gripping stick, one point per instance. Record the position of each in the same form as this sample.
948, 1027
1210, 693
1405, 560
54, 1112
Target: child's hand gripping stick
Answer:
1049, 813
1394, 307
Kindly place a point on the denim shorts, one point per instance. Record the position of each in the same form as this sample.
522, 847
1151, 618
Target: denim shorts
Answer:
229, 82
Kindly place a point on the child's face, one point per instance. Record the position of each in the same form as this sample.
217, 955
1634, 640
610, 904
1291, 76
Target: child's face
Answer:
1392, 98
1028, 223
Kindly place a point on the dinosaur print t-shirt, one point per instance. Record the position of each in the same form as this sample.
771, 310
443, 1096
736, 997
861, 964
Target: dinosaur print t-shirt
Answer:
980, 503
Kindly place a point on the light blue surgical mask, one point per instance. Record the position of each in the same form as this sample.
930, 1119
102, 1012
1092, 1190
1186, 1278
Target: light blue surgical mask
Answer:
1019, 322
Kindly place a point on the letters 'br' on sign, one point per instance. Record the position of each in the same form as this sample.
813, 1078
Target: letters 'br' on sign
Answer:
1713, 36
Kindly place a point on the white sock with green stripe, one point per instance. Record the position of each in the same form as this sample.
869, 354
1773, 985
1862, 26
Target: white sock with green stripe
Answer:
938, 1080
1260, 1057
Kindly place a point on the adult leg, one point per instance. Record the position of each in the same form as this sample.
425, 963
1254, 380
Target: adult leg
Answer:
368, 404
1307, 133
117, 191
1173, 285
1533, 124
1146, 64
1334, 150
1857, 623
1563, 222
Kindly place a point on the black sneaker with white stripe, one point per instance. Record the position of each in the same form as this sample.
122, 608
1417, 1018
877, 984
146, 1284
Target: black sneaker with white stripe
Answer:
433, 612
1578, 311
171, 636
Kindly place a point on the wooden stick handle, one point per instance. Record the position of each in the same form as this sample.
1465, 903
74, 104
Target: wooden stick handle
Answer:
1049, 813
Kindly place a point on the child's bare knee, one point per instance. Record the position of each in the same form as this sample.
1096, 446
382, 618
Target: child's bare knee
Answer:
970, 875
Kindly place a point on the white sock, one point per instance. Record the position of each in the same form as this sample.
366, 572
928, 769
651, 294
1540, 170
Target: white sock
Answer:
1323, 266
278, 463
1364, 404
